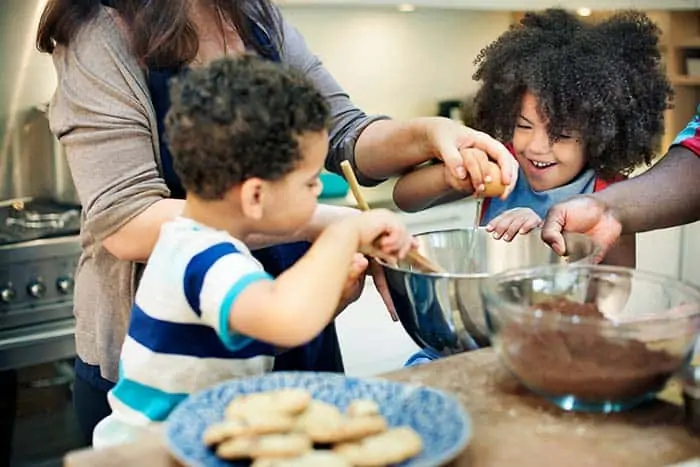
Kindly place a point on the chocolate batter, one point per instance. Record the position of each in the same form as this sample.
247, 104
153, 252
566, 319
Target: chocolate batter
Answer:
577, 360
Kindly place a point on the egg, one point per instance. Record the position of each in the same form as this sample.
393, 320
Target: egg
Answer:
495, 187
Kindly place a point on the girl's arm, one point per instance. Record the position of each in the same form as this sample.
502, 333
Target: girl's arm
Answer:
426, 187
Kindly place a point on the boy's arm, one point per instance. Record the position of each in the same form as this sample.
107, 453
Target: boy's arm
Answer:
426, 187
230, 292
324, 216
295, 307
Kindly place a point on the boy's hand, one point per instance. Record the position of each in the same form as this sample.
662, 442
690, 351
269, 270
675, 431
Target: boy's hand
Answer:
513, 222
384, 233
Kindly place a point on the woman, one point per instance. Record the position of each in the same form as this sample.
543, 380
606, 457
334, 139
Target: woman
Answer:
113, 60
666, 195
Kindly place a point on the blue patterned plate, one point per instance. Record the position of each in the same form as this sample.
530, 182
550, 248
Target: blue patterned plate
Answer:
436, 416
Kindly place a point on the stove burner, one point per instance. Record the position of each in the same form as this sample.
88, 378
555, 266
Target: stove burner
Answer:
37, 220
22, 220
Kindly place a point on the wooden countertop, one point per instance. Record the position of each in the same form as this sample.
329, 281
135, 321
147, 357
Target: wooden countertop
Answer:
511, 427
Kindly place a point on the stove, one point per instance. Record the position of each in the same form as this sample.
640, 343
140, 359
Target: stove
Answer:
39, 252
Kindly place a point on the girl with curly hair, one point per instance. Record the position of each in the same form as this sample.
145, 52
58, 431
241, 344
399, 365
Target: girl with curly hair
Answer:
581, 106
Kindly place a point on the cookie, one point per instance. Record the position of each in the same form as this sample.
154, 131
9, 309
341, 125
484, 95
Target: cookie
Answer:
362, 408
310, 459
326, 425
260, 423
390, 447
359, 427
267, 446
320, 421
286, 401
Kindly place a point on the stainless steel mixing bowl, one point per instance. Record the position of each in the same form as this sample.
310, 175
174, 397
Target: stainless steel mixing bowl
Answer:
444, 311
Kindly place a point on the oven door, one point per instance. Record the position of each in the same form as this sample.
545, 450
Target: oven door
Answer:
35, 344
37, 420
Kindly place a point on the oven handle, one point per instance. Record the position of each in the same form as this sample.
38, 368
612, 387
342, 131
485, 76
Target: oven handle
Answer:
42, 335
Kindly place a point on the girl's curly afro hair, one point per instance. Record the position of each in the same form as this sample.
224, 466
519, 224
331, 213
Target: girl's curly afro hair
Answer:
603, 80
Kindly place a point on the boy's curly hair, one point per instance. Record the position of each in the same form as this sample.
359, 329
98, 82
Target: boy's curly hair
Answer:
239, 118
604, 80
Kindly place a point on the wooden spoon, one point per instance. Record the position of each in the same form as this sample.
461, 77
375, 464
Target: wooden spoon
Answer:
417, 259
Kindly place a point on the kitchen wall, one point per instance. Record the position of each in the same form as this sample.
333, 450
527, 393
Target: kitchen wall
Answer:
27, 80
28, 77
397, 63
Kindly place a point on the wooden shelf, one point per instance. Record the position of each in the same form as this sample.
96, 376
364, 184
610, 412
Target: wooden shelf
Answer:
684, 80
687, 43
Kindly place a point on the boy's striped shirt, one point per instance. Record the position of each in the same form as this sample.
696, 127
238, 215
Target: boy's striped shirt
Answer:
178, 340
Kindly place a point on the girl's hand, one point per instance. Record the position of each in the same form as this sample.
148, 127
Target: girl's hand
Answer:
513, 222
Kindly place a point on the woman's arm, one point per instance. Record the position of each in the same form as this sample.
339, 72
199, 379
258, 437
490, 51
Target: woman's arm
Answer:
324, 216
378, 147
102, 115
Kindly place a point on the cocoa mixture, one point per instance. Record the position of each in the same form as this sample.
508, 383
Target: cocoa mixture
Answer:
581, 362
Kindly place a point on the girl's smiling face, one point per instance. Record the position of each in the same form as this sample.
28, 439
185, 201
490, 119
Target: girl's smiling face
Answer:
546, 164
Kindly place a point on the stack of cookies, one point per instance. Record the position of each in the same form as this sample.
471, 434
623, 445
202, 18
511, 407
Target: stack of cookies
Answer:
287, 428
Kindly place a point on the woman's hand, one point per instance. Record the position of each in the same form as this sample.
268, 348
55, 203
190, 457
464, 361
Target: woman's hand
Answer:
513, 222
379, 279
480, 166
465, 152
355, 283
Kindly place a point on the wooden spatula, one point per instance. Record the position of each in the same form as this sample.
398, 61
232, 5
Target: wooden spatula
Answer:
416, 259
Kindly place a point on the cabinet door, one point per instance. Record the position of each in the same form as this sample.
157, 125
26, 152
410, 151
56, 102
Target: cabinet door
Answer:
665, 5
690, 254
659, 251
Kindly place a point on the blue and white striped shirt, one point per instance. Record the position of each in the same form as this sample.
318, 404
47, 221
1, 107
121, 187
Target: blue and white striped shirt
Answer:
178, 340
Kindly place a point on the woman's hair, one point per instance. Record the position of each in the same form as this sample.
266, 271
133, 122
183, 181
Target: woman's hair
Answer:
602, 80
240, 118
161, 33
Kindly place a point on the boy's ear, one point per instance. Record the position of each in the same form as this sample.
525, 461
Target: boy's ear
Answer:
252, 193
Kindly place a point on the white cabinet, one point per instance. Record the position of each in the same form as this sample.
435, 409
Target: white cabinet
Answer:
690, 254
659, 251
673, 252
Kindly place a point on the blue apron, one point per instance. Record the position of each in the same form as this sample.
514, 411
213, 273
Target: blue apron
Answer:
321, 354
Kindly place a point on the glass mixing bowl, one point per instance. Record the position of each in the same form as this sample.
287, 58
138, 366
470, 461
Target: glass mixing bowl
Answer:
591, 337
